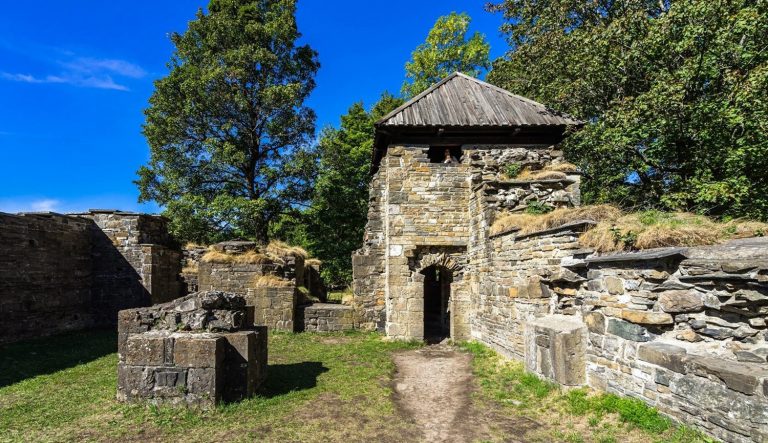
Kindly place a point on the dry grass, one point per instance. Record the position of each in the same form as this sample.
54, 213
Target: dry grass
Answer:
528, 223
543, 174
619, 231
282, 249
549, 172
271, 281
655, 229
189, 270
193, 245
313, 262
250, 257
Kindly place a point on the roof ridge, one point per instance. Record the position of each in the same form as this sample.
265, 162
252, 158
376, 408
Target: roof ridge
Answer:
417, 98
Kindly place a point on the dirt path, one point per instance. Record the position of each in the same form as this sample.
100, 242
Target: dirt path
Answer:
434, 385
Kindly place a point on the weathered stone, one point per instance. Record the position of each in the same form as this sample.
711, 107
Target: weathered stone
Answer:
717, 333
595, 322
664, 355
698, 324
199, 351
750, 357
740, 377
557, 346
647, 317
614, 285
629, 331
689, 335
680, 301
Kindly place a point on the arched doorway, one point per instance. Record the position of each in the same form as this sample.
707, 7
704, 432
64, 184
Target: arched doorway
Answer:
437, 303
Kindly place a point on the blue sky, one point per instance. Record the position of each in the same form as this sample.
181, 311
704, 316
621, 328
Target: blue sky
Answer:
76, 76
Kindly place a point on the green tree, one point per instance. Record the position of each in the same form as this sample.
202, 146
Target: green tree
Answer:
673, 93
227, 128
333, 226
446, 50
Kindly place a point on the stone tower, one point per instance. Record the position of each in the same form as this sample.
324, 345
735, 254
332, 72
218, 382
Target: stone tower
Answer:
440, 164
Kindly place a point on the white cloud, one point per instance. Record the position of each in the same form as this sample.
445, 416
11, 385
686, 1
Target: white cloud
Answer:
97, 82
40, 205
84, 72
95, 65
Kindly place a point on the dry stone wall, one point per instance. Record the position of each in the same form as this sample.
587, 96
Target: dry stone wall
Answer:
682, 329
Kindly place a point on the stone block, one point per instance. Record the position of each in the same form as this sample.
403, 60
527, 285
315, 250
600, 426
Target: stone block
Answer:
555, 348
681, 301
145, 350
614, 285
595, 322
199, 351
204, 386
665, 355
629, 331
741, 377
647, 317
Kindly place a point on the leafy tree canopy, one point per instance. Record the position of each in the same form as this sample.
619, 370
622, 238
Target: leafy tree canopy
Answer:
446, 50
673, 93
332, 228
227, 127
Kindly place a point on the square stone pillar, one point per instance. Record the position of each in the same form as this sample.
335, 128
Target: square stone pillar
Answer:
555, 348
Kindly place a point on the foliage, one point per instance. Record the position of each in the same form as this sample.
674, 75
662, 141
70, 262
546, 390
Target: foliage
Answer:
333, 226
630, 410
536, 207
673, 93
227, 128
512, 170
446, 50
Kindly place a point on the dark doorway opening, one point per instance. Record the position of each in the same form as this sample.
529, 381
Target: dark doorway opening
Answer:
437, 296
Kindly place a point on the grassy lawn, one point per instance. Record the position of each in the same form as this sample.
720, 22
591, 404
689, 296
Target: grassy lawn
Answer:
333, 388
574, 416
320, 388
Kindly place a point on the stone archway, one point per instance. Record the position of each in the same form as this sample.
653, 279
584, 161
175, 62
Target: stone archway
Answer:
441, 260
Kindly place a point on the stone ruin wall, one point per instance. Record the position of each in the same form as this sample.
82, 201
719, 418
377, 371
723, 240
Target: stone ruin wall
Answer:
419, 209
280, 306
69, 272
682, 329
197, 351
45, 275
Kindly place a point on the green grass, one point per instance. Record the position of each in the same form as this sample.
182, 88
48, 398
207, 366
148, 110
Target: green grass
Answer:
572, 416
333, 387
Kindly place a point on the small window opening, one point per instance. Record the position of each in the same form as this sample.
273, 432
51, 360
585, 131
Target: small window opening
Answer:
445, 154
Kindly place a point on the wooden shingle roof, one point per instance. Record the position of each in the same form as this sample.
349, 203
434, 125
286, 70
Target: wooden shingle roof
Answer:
463, 101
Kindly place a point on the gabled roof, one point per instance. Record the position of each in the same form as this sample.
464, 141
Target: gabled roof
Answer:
463, 101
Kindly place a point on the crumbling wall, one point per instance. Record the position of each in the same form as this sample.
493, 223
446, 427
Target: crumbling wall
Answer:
328, 317
67, 272
683, 329
195, 351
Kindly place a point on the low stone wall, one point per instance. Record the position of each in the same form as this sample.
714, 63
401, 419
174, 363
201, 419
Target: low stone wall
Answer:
682, 329
328, 317
273, 307
195, 351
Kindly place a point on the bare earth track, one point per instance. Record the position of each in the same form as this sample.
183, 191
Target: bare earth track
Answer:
433, 387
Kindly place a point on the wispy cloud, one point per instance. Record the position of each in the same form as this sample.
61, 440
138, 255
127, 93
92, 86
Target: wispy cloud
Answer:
40, 205
84, 72
98, 82
96, 66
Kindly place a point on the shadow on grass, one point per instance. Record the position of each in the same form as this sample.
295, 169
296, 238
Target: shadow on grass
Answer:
282, 379
27, 359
